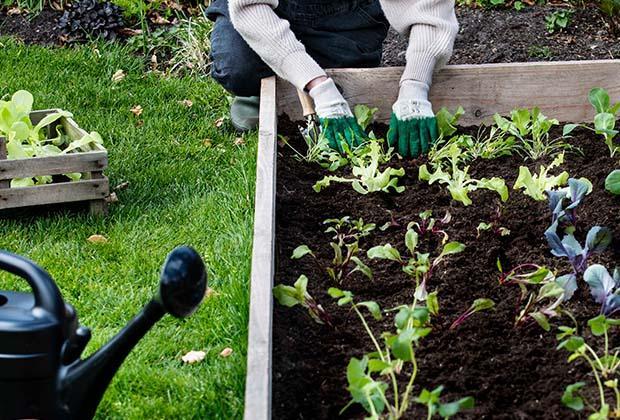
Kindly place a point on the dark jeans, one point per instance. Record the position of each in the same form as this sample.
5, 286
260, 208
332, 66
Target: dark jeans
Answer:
336, 33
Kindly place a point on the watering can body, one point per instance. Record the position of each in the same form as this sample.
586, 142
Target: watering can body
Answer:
41, 373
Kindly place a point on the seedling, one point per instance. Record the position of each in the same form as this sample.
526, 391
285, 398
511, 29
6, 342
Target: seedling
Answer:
597, 241
605, 118
447, 122
418, 265
459, 182
558, 20
494, 225
612, 182
368, 178
605, 366
532, 129
431, 399
428, 225
605, 289
291, 296
394, 357
364, 115
479, 305
565, 215
535, 185
345, 244
541, 293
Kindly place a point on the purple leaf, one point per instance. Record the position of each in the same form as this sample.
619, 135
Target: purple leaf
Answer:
598, 240
601, 283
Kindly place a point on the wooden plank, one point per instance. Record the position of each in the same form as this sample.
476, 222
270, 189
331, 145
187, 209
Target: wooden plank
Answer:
560, 89
3, 155
258, 379
53, 193
98, 207
53, 165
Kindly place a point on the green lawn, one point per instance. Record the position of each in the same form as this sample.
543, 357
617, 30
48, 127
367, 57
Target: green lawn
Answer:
181, 191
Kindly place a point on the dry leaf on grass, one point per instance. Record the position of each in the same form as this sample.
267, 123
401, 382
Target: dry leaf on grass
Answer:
239, 141
97, 239
226, 352
130, 32
159, 20
137, 110
118, 76
207, 142
210, 293
14, 11
122, 186
194, 357
112, 198
186, 102
219, 122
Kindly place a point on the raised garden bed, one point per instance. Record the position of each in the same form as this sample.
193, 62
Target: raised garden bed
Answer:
297, 368
92, 188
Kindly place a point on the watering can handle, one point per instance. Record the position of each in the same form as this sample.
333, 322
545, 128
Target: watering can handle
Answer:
46, 294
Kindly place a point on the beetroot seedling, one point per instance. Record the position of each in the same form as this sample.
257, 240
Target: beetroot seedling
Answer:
291, 296
479, 305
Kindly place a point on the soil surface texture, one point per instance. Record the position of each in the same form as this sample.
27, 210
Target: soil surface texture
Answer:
512, 373
506, 36
40, 29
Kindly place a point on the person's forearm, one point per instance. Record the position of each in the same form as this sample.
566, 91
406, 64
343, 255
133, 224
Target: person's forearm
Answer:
431, 26
273, 40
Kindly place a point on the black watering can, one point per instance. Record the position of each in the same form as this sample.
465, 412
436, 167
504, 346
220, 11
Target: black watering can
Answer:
41, 373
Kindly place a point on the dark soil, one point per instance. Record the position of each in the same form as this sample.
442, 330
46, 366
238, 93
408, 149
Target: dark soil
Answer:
505, 36
511, 373
40, 29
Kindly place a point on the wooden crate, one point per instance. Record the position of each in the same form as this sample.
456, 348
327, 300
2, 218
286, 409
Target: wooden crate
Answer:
93, 188
560, 89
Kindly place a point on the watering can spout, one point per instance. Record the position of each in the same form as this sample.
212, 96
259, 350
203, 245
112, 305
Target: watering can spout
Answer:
83, 382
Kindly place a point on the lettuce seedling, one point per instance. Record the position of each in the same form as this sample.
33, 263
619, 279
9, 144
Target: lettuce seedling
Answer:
597, 241
291, 296
535, 185
431, 399
532, 129
345, 244
605, 366
541, 292
479, 305
605, 289
418, 265
612, 182
446, 121
605, 118
459, 182
368, 177
364, 115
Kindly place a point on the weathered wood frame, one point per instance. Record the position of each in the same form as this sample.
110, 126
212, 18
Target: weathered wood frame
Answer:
93, 188
560, 89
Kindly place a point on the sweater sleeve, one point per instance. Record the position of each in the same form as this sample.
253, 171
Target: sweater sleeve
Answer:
272, 39
432, 28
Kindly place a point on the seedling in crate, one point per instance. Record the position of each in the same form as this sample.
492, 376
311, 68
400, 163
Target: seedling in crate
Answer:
291, 296
541, 293
605, 366
418, 265
479, 305
367, 177
389, 360
605, 288
345, 244
535, 185
459, 182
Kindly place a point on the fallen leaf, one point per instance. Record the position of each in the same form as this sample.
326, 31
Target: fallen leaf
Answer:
194, 357
14, 11
219, 122
137, 110
208, 143
158, 20
118, 76
139, 123
130, 32
210, 293
154, 62
239, 141
112, 198
97, 239
186, 102
226, 352
122, 186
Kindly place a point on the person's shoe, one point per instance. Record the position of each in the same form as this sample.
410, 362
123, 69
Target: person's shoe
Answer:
244, 113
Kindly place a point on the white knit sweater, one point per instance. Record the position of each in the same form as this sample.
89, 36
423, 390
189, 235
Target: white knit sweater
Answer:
431, 25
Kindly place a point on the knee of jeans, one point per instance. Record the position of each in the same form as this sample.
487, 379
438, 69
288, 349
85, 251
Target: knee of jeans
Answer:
239, 80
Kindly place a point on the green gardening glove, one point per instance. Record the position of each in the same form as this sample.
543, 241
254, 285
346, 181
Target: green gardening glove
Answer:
337, 121
413, 126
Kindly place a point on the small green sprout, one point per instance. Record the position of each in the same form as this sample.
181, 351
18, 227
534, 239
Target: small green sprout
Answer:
479, 305
291, 296
535, 185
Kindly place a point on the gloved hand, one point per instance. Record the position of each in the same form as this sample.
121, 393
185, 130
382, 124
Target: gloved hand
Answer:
337, 120
413, 127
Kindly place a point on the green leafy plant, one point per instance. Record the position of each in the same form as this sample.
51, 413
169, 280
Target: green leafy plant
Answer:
540, 52
541, 293
558, 20
612, 182
25, 140
370, 378
345, 245
367, 175
297, 295
428, 225
447, 122
479, 305
364, 115
494, 225
535, 185
418, 265
605, 366
611, 9
431, 399
532, 129
605, 118
459, 182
